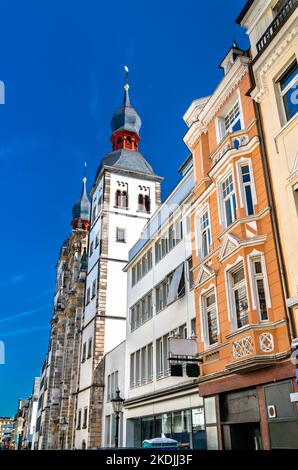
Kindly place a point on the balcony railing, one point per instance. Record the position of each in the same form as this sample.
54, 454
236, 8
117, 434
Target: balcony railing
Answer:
276, 24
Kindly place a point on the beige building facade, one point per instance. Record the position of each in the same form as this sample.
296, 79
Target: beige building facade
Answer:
272, 27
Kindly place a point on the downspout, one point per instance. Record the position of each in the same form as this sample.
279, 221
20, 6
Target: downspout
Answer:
274, 221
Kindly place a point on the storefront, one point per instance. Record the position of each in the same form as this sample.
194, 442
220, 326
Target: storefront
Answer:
185, 426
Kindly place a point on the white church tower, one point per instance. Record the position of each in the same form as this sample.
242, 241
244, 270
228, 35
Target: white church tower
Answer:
125, 194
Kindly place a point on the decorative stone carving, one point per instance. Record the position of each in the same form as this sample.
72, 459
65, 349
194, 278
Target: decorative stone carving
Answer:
266, 342
243, 347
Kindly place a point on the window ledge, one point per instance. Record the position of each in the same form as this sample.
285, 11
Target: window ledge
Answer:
286, 127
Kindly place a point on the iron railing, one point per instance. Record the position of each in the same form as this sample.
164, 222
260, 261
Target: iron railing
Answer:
276, 24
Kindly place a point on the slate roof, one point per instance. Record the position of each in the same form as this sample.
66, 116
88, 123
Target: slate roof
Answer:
125, 159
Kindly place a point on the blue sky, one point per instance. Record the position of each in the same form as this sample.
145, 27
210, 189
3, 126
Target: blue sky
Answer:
62, 65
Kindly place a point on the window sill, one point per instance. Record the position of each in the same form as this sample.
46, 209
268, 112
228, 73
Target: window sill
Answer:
121, 208
139, 326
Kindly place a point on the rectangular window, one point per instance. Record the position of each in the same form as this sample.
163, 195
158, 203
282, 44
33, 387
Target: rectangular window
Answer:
120, 235
84, 352
93, 288
90, 348
108, 431
91, 249
109, 395
133, 276
288, 89
190, 274
85, 418
232, 120
260, 289
143, 365
211, 317
150, 362
204, 234
79, 419
138, 375
159, 358
229, 200
88, 296
132, 370
247, 190
193, 327
240, 297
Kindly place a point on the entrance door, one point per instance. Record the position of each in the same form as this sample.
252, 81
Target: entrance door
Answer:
242, 436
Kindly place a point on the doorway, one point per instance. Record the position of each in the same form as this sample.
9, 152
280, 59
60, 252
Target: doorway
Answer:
242, 436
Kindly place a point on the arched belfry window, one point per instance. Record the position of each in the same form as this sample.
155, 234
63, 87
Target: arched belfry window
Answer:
121, 199
144, 203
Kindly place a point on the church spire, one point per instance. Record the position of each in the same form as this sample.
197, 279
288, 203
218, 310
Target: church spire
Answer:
126, 123
81, 208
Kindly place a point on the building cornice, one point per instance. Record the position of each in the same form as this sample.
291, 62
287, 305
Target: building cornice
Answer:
272, 55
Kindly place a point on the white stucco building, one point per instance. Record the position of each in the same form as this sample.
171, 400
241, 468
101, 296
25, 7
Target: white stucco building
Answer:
160, 303
125, 193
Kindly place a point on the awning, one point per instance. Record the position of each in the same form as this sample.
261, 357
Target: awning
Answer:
173, 288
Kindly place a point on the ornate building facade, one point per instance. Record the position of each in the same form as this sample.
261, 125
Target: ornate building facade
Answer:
59, 378
242, 323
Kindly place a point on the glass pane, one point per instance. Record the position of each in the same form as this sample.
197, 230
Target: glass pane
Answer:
212, 439
241, 304
148, 428
290, 100
262, 299
238, 276
182, 428
198, 429
249, 203
288, 76
210, 410
137, 436
167, 424
229, 215
212, 326
258, 267
245, 174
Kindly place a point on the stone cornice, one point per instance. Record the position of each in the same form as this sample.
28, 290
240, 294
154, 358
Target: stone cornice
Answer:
273, 54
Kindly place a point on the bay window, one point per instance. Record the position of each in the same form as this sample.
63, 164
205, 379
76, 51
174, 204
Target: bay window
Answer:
259, 287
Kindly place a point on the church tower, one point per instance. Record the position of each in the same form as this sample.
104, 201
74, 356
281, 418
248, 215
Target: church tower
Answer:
126, 192
57, 397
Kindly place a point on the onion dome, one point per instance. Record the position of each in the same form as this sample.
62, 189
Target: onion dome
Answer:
126, 118
81, 210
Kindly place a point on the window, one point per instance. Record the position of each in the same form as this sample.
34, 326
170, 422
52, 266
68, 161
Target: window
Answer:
240, 296
141, 312
204, 234
121, 199
93, 289
288, 89
229, 122
260, 288
120, 235
190, 274
247, 189
96, 240
170, 239
94, 212
210, 312
85, 418
108, 431
79, 419
84, 352
141, 366
142, 267
229, 200
193, 327
162, 362
88, 296
91, 249
89, 348
170, 289
112, 385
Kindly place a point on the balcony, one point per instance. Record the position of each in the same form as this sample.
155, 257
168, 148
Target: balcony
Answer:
233, 141
282, 14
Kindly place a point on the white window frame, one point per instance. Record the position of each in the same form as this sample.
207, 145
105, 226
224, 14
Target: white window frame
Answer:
203, 316
232, 316
242, 198
230, 196
202, 212
120, 230
221, 130
282, 93
251, 258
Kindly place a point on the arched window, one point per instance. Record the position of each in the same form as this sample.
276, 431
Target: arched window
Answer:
141, 205
121, 199
147, 204
119, 140
84, 445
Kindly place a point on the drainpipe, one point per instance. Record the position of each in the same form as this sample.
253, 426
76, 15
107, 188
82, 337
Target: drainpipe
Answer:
274, 221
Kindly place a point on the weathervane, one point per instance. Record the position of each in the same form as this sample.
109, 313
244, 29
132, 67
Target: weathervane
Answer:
126, 69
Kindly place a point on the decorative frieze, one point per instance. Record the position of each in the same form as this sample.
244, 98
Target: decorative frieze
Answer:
243, 347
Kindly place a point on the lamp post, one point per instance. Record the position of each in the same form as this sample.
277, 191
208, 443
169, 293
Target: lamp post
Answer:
117, 403
63, 427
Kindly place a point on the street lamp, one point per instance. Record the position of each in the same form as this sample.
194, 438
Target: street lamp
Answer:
117, 403
63, 427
